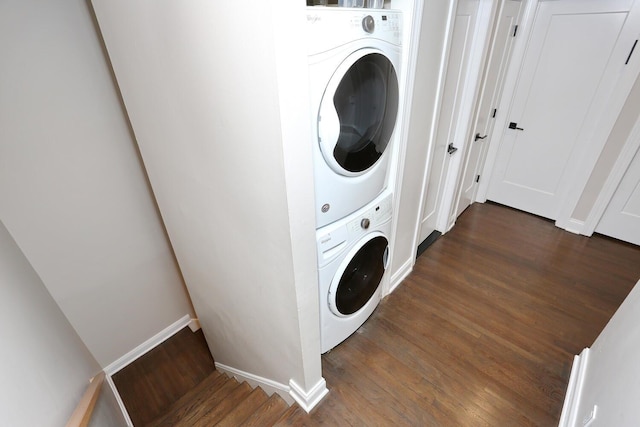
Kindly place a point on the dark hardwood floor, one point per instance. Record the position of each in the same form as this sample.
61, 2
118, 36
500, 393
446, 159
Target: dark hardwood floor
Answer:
483, 331
151, 384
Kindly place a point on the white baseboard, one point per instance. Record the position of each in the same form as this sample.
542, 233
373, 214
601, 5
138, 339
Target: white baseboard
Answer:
308, 400
290, 393
269, 386
400, 275
148, 345
194, 325
572, 226
572, 398
123, 409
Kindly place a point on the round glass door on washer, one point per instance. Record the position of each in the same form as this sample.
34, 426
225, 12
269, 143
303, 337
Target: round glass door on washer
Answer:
357, 281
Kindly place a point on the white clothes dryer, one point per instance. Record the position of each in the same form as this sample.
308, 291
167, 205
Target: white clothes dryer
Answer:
354, 64
353, 254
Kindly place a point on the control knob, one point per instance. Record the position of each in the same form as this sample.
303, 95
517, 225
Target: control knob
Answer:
368, 24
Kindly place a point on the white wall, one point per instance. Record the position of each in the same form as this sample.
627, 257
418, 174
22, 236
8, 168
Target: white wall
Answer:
45, 366
203, 87
73, 191
615, 142
612, 375
425, 102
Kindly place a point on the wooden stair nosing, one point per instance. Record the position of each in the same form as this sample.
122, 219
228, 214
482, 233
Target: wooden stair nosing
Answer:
244, 409
218, 411
267, 414
207, 401
291, 416
190, 399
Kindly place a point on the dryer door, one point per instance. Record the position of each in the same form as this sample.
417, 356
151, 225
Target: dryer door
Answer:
358, 112
359, 275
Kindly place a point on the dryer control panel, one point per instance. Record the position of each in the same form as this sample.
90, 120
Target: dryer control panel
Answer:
328, 27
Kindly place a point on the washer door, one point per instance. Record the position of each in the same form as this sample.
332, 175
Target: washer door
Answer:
358, 112
359, 275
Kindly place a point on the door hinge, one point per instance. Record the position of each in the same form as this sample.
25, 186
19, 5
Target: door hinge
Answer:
515, 30
477, 178
493, 115
631, 53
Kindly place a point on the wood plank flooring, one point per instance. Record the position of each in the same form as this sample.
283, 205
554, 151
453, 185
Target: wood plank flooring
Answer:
483, 331
151, 384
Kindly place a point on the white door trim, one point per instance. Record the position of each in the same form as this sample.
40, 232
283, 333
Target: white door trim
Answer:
479, 45
510, 82
442, 72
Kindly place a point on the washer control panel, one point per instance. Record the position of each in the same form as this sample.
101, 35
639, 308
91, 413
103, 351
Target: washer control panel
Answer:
377, 214
334, 238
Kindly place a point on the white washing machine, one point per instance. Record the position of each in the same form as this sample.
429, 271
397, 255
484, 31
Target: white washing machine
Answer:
354, 64
353, 254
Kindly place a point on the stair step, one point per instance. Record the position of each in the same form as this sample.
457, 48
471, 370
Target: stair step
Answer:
292, 416
244, 409
190, 400
222, 401
210, 398
268, 413
218, 411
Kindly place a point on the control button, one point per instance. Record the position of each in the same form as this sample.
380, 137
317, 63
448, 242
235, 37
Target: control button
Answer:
365, 223
368, 24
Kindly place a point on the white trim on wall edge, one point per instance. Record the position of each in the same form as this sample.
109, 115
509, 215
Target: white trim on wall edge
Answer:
572, 225
123, 409
269, 386
290, 393
308, 400
148, 345
400, 275
572, 398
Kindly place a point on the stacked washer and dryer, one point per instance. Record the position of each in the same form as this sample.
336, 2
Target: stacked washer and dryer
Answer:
354, 58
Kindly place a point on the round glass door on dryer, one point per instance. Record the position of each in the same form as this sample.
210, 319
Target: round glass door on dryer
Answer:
353, 255
355, 97
358, 113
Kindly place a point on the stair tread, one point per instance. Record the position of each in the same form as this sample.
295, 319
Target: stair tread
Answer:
244, 409
268, 413
291, 416
189, 400
216, 412
208, 399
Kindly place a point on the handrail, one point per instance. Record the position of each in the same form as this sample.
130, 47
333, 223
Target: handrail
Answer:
82, 414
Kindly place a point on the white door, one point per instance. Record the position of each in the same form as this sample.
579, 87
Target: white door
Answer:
459, 51
621, 219
506, 28
575, 54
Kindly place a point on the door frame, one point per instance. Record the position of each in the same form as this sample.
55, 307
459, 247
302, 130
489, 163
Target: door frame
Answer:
510, 82
480, 45
476, 168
